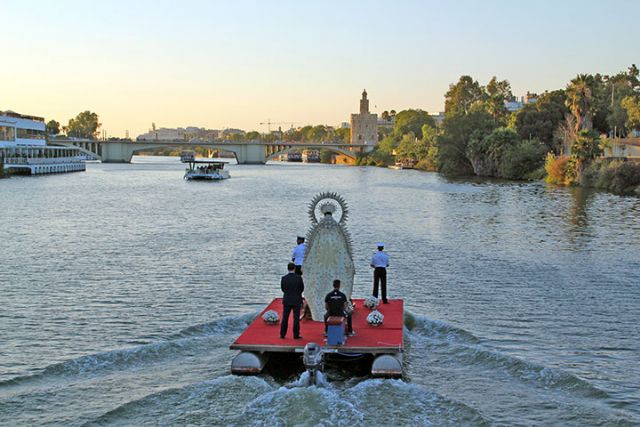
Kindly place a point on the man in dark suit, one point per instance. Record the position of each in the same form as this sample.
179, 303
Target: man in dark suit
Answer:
292, 288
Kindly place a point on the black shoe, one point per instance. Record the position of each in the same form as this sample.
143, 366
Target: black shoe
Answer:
297, 338
385, 302
281, 337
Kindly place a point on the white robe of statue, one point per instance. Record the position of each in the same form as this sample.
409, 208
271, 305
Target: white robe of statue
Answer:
328, 255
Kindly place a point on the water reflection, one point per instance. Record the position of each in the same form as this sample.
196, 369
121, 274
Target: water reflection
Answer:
578, 216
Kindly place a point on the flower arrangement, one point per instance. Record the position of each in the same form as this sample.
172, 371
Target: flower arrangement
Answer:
371, 302
375, 318
271, 317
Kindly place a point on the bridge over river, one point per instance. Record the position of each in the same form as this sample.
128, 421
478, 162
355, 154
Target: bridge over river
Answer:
252, 152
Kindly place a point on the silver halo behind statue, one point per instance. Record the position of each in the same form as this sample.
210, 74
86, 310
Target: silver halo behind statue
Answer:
328, 255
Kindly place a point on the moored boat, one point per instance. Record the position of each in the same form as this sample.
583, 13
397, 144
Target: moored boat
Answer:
403, 164
311, 156
294, 156
24, 149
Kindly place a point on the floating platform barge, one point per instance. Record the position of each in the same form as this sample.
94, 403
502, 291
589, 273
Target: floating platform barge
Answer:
261, 340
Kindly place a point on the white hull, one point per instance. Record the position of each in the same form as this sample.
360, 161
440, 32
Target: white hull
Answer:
215, 176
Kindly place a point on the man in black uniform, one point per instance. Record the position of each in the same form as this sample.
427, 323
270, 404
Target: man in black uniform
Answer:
336, 303
292, 288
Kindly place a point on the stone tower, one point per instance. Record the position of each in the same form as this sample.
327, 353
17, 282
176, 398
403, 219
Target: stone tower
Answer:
364, 125
364, 103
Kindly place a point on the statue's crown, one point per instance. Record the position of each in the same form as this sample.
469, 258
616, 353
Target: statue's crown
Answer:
327, 207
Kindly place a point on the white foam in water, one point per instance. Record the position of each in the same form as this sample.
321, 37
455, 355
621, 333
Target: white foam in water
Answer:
300, 406
305, 380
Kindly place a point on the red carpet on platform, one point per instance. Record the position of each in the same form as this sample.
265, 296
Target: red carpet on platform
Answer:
261, 336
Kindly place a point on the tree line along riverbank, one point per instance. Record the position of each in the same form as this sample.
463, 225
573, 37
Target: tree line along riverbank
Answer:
559, 138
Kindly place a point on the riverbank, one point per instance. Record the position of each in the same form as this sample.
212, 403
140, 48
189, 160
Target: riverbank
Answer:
617, 176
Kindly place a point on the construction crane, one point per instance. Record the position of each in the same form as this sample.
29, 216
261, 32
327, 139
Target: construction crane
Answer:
269, 123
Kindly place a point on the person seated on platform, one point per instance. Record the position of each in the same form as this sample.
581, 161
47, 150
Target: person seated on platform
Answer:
336, 304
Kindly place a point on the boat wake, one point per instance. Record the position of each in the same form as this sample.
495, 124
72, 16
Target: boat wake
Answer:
464, 348
196, 338
436, 352
232, 400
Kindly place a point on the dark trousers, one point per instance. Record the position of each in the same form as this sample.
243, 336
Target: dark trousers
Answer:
349, 323
298, 270
380, 278
286, 309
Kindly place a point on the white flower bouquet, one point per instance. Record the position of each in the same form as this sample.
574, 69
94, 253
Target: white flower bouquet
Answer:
375, 318
271, 317
371, 302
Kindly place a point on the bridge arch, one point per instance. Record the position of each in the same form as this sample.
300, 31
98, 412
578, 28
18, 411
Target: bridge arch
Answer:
219, 148
290, 148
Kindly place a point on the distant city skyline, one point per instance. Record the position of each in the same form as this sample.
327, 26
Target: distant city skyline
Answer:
236, 64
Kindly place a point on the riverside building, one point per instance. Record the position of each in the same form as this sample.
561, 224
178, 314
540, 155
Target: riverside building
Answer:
24, 149
364, 125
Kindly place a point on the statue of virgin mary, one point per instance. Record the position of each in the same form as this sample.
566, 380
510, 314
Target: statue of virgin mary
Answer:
328, 255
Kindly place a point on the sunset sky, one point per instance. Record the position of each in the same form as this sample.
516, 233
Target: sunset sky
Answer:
219, 64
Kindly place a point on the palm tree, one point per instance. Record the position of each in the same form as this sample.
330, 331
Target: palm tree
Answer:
580, 101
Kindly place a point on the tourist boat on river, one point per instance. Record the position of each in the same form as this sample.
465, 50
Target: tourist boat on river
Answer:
403, 164
311, 156
24, 149
378, 342
294, 156
202, 169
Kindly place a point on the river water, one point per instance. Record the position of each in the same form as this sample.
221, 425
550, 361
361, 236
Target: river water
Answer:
121, 289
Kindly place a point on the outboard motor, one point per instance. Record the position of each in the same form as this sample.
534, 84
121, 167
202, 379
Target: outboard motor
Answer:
313, 360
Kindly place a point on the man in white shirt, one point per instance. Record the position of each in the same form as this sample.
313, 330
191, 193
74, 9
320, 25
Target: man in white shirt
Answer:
297, 256
379, 263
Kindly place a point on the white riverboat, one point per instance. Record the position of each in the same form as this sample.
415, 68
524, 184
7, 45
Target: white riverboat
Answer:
24, 149
204, 170
311, 156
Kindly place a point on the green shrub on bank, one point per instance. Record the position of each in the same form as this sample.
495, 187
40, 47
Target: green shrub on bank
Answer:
378, 157
502, 154
619, 177
591, 175
427, 164
523, 161
326, 156
625, 179
536, 174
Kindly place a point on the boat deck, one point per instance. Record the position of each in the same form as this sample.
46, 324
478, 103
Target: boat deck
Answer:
386, 338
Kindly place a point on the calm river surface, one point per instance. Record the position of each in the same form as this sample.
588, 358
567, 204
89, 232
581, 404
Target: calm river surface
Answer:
121, 289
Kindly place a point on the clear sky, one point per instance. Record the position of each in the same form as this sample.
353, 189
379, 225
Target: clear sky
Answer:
219, 64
